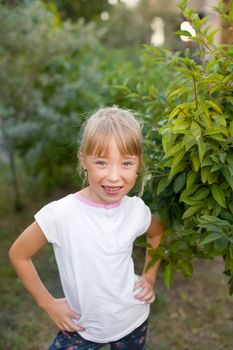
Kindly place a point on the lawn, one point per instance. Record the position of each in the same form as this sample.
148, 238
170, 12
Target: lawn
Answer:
194, 315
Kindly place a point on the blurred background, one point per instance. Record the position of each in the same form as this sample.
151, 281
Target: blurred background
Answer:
59, 62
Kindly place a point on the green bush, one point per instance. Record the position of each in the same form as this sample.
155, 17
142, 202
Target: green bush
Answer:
190, 151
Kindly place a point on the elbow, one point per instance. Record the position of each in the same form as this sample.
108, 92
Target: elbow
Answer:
12, 255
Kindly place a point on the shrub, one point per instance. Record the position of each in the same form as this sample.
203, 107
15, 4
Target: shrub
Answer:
191, 166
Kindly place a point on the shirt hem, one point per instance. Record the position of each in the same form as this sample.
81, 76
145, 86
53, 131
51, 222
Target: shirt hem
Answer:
118, 337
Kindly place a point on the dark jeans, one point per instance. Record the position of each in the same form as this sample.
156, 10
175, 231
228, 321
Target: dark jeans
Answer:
73, 341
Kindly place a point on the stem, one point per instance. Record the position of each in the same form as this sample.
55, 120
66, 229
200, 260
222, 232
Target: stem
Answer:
195, 89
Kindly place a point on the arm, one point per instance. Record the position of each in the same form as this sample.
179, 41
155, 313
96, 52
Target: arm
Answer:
21, 252
147, 282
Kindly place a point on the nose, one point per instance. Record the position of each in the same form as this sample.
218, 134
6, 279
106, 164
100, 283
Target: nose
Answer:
113, 174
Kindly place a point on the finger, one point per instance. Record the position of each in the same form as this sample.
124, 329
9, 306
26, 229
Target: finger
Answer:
137, 285
76, 326
74, 315
72, 327
151, 300
141, 293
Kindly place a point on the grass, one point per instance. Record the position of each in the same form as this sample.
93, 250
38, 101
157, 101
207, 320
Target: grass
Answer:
195, 314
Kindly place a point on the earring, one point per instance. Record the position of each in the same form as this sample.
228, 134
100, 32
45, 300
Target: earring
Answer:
85, 173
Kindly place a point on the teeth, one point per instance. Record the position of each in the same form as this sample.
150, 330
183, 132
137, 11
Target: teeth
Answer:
112, 189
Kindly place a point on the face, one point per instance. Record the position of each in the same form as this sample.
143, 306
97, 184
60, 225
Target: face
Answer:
112, 177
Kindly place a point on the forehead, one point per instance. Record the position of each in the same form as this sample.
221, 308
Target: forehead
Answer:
103, 146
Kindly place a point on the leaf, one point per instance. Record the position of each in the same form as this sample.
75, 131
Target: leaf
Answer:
178, 157
173, 150
214, 106
213, 236
220, 119
216, 130
218, 137
178, 92
167, 140
195, 129
218, 195
167, 275
196, 162
228, 177
189, 191
179, 182
188, 142
186, 268
183, 33
163, 183
191, 178
201, 149
216, 167
153, 91
191, 211
231, 126
205, 174
230, 206
201, 194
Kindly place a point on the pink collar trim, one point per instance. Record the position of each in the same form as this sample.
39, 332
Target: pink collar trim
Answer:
97, 205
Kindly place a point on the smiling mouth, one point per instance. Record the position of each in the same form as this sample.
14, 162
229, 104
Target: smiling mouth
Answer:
112, 189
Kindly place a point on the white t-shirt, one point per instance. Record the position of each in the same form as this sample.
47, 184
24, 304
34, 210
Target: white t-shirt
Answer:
93, 246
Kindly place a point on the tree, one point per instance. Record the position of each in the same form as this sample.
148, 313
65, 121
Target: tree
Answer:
34, 42
191, 166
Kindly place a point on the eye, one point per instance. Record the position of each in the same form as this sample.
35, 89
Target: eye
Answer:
101, 163
127, 164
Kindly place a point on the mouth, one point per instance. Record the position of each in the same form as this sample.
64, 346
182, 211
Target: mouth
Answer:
112, 189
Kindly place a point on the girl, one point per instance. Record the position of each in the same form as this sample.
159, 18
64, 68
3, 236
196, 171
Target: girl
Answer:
92, 232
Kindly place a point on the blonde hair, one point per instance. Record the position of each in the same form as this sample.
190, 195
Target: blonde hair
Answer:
111, 122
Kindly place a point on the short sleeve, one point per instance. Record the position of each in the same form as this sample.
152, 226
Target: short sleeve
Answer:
143, 216
48, 220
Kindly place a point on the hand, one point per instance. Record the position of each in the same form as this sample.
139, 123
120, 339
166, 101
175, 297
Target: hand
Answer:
63, 316
144, 291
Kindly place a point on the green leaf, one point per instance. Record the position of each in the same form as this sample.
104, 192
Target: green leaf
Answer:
173, 150
188, 142
220, 119
163, 183
186, 268
195, 129
231, 126
178, 157
179, 182
191, 178
167, 275
213, 236
214, 106
216, 130
196, 162
153, 91
218, 195
189, 191
167, 140
191, 211
205, 174
228, 177
230, 206
201, 194
216, 167
183, 33
178, 92
201, 149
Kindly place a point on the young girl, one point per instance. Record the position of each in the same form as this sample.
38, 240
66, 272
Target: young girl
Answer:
92, 232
